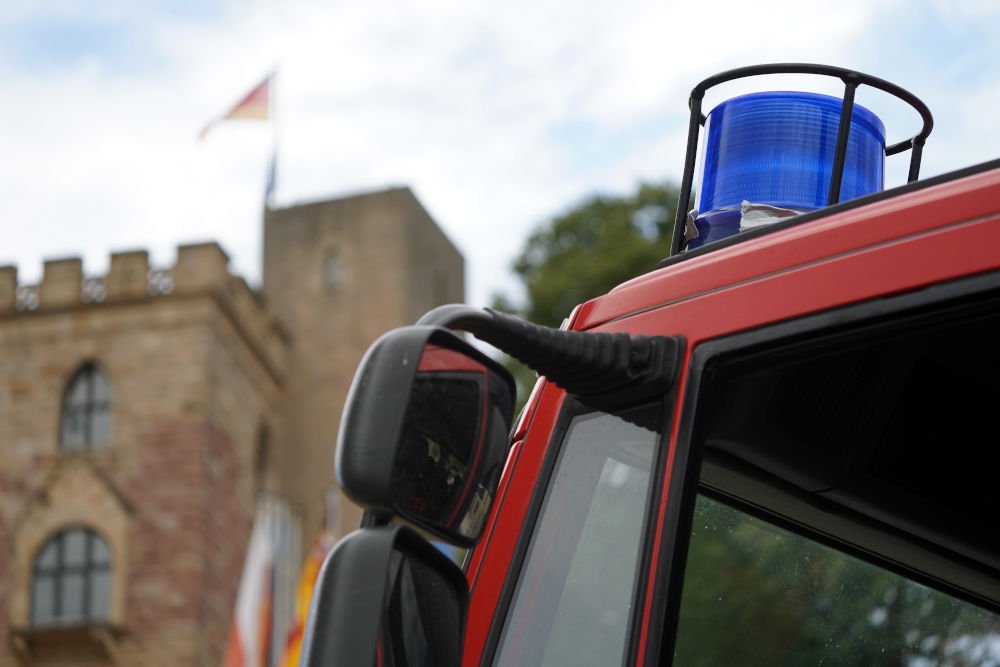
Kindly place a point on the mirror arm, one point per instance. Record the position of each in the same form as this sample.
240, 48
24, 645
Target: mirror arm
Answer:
374, 518
460, 317
603, 369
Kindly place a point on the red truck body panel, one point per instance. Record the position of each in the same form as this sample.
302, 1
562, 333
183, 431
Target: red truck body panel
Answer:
891, 246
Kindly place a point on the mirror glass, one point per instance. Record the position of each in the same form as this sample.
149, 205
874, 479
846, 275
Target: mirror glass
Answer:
453, 442
422, 620
386, 597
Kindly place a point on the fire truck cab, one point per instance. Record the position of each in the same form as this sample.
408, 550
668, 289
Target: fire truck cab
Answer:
781, 447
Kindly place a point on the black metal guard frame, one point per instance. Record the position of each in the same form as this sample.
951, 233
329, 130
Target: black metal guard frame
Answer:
851, 81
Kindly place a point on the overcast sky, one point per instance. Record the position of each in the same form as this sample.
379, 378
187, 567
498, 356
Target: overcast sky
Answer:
498, 115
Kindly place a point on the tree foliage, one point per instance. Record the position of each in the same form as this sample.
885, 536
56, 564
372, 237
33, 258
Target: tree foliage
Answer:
755, 594
590, 249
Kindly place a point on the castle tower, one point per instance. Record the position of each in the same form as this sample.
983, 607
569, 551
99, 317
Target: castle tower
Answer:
150, 415
131, 457
338, 274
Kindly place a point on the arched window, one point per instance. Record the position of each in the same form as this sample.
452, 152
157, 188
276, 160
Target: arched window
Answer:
86, 410
70, 579
333, 270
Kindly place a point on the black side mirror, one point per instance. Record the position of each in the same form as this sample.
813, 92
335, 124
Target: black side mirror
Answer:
386, 593
424, 431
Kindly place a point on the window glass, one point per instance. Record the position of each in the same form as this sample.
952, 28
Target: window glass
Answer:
73, 431
573, 599
86, 411
43, 599
48, 557
101, 389
74, 547
756, 594
71, 602
99, 552
77, 394
100, 430
98, 602
333, 270
71, 579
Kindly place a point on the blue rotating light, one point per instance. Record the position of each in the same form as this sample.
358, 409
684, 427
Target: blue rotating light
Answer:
777, 148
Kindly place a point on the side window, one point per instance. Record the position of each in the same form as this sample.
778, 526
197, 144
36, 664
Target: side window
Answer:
70, 579
573, 598
848, 502
757, 594
86, 411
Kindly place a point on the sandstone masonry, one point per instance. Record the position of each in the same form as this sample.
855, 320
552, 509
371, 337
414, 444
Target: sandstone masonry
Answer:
218, 392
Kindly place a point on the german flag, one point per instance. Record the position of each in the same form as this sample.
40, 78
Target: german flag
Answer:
255, 105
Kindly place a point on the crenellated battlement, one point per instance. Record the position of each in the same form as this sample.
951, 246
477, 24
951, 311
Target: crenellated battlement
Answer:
201, 268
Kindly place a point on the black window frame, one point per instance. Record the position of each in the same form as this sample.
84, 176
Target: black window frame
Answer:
58, 573
685, 484
89, 373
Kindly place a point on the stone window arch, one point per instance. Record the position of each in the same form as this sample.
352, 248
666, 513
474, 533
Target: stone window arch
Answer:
86, 410
71, 579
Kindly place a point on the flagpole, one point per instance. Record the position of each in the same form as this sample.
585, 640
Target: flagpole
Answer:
273, 115
273, 101
270, 177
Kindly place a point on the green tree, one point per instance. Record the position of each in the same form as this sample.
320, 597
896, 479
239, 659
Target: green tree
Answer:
594, 246
585, 252
756, 594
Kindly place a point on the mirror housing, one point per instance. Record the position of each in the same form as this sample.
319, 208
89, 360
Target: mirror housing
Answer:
424, 434
386, 592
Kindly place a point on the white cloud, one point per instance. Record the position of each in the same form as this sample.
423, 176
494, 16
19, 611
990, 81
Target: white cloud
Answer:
462, 101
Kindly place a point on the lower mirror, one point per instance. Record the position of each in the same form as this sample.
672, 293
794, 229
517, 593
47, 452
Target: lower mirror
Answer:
386, 597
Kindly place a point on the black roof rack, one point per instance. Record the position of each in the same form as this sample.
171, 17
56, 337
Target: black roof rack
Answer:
851, 80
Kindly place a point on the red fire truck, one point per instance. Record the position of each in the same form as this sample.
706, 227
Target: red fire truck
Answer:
779, 447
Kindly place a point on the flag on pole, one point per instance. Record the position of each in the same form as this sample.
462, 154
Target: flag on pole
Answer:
310, 572
249, 635
255, 105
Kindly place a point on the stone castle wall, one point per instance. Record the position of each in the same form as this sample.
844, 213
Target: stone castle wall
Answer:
219, 392
338, 274
194, 367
